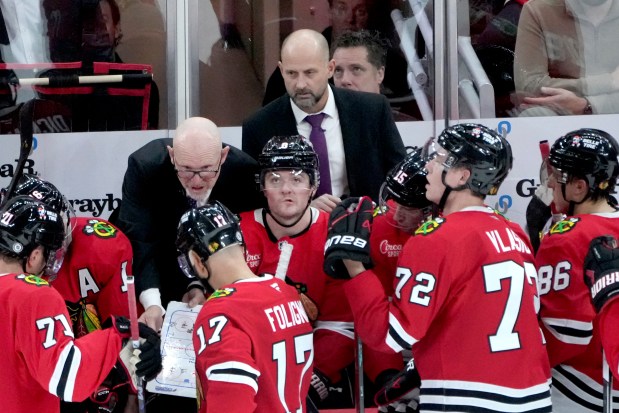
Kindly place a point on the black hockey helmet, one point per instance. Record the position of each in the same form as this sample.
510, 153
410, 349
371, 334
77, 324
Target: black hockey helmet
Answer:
206, 230
480, 149
26, 223
590, 154
46, 192
406, 182
289, 152
41, 190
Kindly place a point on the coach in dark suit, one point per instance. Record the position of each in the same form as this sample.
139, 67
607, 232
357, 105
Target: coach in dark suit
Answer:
362, 139
163, 179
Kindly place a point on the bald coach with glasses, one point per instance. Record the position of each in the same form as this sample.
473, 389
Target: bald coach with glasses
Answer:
164, 178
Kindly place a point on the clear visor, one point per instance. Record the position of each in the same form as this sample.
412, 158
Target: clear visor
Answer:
405, 218
56, 258
185, 266
432, 151
554, 174
274, 179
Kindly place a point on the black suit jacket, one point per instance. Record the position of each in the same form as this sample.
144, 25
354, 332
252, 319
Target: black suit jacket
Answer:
153, 201
372, 143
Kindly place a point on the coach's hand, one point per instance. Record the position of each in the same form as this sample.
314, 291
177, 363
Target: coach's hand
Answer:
602, 270
349, 235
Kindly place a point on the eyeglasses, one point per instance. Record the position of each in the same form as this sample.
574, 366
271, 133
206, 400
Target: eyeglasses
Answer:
202, 173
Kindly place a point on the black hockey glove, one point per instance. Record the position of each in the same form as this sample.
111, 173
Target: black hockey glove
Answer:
602, 270
402, 386
349, 235
537, 215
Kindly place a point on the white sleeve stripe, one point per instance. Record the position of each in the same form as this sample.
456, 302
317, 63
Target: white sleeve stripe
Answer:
569, 331
62, 381
72, 375
397, 338
234, 372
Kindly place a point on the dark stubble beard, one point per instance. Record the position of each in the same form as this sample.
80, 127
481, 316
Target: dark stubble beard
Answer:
306, 103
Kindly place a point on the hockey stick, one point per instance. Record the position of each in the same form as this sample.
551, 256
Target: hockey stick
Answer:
544, 148
360, 402
85, 80
26, 139
607, 386
135, 335
284, 260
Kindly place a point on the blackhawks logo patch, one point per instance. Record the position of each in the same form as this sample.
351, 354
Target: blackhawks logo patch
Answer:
33, 279
100, 229
429, 226
564, 226
224, 292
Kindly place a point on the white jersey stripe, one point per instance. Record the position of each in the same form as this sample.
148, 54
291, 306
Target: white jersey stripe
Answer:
577, 390
345, 328
234, 372
482, 397
569, 331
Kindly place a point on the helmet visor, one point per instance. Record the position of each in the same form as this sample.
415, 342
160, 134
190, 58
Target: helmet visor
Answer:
55, 258
276, 179
185, 266
433, 151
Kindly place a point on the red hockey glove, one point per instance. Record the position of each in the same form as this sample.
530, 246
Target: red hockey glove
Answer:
602, 270
349, 235
403, 386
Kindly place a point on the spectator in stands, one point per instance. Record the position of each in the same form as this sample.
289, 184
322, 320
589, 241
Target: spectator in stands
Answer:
565, 62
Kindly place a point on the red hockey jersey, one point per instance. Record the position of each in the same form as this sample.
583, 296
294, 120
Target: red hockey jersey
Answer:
609, 333
305, 270
386, 244
466, 303
94, 271
40, 359
254, 349
567, 315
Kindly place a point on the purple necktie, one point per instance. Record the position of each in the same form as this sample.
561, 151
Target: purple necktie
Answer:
319, 141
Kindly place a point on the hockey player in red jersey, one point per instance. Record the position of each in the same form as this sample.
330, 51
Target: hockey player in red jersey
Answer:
403, 208
465, 299
252, 338
585, 169
92, 281
288, 179
602, 277
41, 360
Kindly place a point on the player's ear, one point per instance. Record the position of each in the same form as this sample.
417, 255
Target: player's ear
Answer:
464, 175
35, 263
171, 153
197, 264
582, 187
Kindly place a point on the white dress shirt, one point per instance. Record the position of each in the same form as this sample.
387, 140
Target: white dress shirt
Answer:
335, 143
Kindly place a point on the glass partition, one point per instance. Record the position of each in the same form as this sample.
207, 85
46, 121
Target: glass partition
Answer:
240, 42
100, 64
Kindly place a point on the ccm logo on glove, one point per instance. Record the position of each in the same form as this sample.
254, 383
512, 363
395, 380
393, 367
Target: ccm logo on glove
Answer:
346, 240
